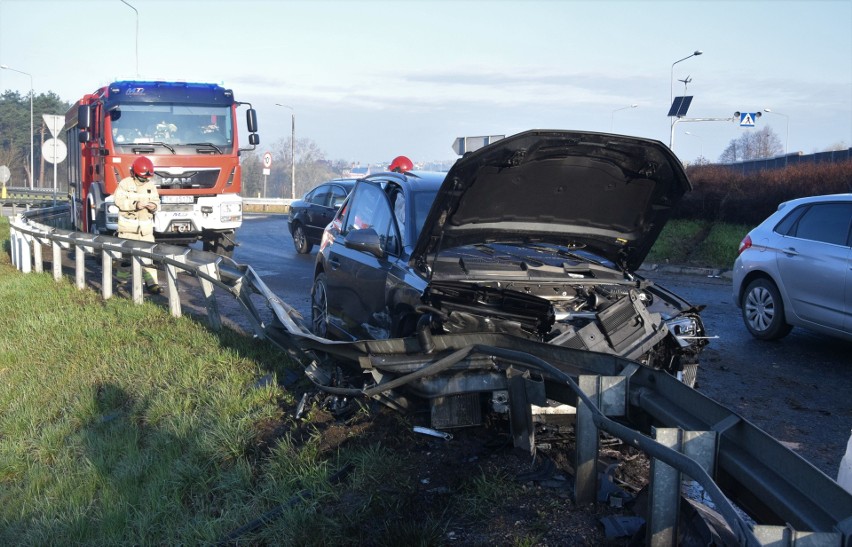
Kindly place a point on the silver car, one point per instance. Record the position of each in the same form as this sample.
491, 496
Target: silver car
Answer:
795, 269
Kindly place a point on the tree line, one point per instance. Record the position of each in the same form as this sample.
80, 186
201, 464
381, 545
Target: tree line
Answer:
15, 146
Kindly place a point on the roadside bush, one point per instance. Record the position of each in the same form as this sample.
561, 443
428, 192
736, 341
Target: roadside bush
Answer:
721, 194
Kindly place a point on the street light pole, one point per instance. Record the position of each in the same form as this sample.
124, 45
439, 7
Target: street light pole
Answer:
32, 154
612, 117
293, 148
671, 87
700, 143
137, 34
787, 138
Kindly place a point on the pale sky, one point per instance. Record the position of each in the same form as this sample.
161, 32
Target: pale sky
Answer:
371, 80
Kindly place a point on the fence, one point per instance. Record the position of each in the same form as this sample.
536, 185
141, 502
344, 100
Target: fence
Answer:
796, 158
693, 436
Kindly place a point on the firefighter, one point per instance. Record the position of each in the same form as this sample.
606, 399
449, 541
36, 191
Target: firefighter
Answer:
137, 201
401, 164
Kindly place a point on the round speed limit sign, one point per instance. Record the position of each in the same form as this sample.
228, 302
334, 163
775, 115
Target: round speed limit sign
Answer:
267, 160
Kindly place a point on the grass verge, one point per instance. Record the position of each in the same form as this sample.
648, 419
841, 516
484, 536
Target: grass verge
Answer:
698, 243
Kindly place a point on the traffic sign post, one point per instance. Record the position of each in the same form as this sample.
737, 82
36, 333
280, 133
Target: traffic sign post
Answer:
267, 164
54, 151
4, 178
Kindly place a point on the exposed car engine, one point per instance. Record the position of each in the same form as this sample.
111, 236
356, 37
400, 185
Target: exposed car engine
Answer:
632, 319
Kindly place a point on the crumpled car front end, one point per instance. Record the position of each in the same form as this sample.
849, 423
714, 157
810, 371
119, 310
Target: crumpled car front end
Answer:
535, 292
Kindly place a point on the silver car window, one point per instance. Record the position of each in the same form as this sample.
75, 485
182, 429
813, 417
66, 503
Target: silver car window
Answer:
826, 222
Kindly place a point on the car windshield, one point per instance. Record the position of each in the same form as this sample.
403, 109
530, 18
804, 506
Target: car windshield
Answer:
172, 125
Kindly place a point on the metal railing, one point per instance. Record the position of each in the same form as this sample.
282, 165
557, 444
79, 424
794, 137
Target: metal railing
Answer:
791, 501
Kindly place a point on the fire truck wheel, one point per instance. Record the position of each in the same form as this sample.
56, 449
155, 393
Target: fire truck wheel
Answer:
219, 244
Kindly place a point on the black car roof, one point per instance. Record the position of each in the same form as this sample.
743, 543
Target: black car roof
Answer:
413, 180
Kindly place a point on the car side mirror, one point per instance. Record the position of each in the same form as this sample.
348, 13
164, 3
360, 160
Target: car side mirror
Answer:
366, 240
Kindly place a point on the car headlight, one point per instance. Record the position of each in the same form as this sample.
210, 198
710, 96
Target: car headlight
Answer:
231, 212
684, 328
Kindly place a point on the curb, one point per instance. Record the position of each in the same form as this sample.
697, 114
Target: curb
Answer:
720, 273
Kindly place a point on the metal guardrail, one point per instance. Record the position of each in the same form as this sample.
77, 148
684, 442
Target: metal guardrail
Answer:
681, 430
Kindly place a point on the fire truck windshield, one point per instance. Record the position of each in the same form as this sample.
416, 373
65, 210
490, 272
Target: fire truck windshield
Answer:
172, 125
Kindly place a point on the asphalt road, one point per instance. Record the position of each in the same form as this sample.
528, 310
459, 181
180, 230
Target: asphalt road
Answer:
798, 389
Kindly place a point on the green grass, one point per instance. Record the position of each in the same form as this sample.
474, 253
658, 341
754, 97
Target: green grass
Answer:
698, 243
120, 424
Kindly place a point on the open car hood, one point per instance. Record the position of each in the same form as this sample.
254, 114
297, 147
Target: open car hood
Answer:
608, 194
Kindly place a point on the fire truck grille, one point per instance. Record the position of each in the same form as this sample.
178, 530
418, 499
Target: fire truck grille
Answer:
188, 179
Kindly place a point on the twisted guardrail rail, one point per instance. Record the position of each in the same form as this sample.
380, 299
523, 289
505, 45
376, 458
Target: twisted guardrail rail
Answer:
791, 502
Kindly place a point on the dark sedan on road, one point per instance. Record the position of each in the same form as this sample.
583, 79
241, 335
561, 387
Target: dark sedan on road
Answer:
310, 215
538, 236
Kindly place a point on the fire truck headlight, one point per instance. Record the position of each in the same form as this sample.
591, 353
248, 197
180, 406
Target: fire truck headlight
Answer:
232, 212
112, 209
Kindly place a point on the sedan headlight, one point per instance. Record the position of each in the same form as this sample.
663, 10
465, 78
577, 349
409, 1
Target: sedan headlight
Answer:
684, 328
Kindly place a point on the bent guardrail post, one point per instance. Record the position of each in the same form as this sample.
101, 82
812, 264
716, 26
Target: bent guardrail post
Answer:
666, 481
207, 289
609, 395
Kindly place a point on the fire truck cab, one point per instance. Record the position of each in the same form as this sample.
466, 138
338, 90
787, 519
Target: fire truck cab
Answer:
190, 133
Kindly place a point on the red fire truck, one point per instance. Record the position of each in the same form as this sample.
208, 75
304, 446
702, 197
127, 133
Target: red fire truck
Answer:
188, 130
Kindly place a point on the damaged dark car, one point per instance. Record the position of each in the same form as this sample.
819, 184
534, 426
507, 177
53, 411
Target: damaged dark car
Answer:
537, 236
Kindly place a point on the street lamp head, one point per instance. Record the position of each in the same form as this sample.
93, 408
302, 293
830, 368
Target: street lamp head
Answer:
3, 66
698, 52
767, 110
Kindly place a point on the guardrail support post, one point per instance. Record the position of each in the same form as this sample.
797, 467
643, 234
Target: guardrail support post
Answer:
25, 259
210, 296
13, 243
136, 283
171, 282
665, 489
37, 260
106, 272
609, 394
57, 261
80, 267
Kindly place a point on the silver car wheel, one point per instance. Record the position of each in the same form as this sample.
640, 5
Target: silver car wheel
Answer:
759, 308
763, 310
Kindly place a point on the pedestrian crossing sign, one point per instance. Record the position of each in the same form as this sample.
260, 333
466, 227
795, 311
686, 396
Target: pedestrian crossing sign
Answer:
747, 119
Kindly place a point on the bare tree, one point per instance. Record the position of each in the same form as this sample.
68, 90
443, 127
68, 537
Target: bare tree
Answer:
752, 146
252, 174
311, 167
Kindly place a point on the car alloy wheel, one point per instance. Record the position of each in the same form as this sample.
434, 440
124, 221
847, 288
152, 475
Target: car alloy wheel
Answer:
319, 307
763, 310
300, 240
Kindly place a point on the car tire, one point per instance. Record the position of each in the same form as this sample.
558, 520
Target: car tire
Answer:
300, 240
319, 307
763, 310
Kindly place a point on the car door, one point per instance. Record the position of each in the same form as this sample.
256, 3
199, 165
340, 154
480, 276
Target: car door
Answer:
318, 213
813, 264
356, 279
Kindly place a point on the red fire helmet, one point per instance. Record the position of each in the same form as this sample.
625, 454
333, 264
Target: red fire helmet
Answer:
142, 167
401, 164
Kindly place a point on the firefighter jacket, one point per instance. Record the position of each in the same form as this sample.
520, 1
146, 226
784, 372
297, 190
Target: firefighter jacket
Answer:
133, 222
